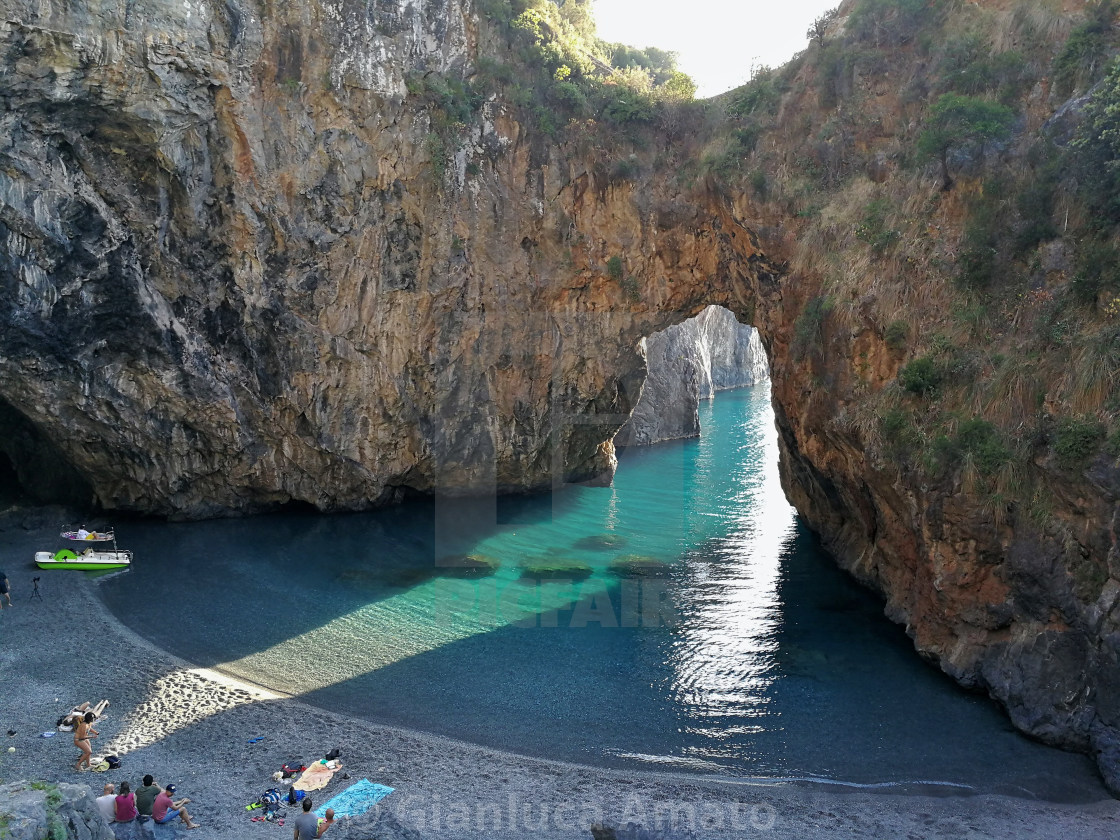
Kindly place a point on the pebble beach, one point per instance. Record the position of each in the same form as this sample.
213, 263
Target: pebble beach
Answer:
220, 740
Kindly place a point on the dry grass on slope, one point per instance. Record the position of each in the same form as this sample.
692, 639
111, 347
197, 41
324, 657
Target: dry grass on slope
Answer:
957, 319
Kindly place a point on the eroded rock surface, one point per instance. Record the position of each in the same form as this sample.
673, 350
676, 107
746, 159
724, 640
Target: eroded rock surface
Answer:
234, 277
38, 811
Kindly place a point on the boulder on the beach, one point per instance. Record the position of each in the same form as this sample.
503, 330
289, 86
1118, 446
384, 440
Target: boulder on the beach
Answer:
41, 810
141, 830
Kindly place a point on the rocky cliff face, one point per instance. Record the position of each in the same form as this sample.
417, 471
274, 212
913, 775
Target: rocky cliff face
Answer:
37, 811
237, 273
243, 268
686, 363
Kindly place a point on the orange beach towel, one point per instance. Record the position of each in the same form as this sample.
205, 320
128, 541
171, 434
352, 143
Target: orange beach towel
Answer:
317, 775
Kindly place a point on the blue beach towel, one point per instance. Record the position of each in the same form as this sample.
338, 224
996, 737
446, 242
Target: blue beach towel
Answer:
355, 800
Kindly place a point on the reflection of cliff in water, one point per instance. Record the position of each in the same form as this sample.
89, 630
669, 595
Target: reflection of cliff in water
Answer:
687, 363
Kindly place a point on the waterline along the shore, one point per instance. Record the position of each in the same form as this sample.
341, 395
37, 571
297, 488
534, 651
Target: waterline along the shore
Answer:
681, 619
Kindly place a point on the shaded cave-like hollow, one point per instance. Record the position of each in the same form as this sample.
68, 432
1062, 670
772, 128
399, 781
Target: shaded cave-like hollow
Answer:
32, 470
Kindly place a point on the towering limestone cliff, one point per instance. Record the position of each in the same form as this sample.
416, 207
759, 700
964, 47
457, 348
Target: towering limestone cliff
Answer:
258, 254
245, 266
686, 363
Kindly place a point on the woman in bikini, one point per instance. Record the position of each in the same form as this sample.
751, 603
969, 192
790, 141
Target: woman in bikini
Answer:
83, 731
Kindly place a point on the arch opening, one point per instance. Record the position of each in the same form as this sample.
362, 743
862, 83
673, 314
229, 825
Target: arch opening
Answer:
686, 364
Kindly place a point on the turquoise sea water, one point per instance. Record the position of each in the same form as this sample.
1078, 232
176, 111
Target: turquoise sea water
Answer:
742, 650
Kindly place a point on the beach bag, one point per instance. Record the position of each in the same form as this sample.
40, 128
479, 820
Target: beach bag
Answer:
292, 767
333, 754
113, 762
270, 799
295, 796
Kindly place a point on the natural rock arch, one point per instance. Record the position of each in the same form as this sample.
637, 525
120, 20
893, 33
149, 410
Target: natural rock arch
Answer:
236, 275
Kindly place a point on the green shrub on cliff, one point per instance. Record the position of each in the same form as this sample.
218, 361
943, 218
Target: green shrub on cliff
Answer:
873, 228
902, 437
1075, 439
922, 376
1082, 56
969, 66
980, 439
567, 72
891, 23
1097, 268
895, 335
1113, 444
957, 121
808, 329
760, 96
1097, 149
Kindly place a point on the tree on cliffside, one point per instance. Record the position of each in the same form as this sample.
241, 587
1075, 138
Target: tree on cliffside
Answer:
957, 122
819, 27
1098, 147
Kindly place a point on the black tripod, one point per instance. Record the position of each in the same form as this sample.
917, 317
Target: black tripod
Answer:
34, 590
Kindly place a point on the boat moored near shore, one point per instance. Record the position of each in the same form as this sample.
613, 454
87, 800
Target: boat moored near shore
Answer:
88, 560
91, 558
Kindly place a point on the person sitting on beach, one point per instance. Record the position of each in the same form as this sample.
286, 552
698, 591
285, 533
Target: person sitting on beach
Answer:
164, 809
307, 824
107, 803
146, 795
326, 823
83, 731
125, 809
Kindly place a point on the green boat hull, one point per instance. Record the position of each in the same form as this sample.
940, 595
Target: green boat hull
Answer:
84, 563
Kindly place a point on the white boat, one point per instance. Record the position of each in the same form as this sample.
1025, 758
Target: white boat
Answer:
88, 560
88, 553
90, 536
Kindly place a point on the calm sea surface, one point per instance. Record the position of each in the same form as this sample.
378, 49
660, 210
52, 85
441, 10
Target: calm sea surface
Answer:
682, 619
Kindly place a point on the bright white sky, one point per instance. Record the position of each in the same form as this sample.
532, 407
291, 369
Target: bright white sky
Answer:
717, 41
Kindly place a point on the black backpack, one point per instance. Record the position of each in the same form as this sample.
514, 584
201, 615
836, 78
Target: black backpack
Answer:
333, 754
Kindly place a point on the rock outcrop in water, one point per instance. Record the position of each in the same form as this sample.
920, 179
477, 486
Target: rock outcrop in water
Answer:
240, 269
687, 363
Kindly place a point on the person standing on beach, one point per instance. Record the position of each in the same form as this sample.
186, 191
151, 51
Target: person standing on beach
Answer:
146, 795
83, 731
5, 589
307, 824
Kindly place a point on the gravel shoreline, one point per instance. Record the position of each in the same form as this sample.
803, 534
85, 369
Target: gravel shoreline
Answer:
191, 726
